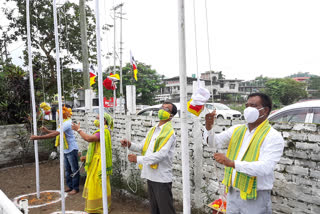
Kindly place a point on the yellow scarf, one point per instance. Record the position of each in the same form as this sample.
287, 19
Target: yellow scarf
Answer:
65, 146
245, 183
165, 134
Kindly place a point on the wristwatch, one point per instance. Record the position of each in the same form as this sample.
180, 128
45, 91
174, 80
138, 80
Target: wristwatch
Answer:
79, 130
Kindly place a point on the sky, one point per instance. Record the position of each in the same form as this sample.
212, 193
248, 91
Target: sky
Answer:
247, 38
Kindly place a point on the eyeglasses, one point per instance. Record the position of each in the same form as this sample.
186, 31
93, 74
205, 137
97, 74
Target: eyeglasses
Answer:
166, 109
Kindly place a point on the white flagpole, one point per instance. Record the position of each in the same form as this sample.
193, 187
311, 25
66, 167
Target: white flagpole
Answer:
34, 114
60, 106
183, 108
101, 113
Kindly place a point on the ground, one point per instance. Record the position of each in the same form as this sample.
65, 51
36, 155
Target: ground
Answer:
20, 180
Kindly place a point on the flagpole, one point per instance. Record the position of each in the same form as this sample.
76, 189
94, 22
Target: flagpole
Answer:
60, 106
101, 113
33, 100
183, 109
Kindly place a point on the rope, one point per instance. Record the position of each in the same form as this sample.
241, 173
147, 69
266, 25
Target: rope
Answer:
76, 172
134, 177
215, 172
196, 41
209, 54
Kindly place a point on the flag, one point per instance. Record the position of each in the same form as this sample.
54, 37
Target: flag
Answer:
198, 99
194, 109
92, 75
134, 66
109, 82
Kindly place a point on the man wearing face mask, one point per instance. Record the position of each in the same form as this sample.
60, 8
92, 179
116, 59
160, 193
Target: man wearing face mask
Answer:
253, 151
157, 151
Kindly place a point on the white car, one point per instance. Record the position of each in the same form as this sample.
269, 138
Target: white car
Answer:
301, 112
223, 111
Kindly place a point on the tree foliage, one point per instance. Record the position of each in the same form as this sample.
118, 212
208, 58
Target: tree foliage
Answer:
43, 42
314, 86
285, 91
15, 98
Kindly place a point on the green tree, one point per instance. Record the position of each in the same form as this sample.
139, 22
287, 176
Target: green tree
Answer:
148, 85
15, 98
43, 40
285, 91
314, 86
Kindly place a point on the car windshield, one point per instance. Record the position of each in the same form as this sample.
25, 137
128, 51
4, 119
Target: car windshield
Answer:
294, 115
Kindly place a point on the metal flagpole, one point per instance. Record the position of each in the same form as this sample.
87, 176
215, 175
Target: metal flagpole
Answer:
183, 109
101, 113
34, 114
60, 105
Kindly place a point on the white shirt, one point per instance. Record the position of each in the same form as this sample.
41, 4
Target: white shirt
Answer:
163, 174
270, 153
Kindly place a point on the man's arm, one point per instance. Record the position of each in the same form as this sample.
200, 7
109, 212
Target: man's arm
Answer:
270, 155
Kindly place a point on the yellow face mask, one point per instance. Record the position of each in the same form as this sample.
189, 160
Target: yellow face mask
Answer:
163, 115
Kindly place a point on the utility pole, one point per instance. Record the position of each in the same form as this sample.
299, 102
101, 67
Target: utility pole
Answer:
5, 48
84, 48
121, 89
1, 51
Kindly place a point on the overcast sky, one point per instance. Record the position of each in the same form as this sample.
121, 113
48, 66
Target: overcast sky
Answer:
248, 38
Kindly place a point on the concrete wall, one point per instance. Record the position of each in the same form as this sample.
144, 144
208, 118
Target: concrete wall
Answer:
15, 149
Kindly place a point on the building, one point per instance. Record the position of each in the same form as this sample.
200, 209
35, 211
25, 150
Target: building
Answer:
251, 86
218, 86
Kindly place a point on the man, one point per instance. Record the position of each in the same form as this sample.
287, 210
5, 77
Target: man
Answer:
70, 150
157, 151
253, 151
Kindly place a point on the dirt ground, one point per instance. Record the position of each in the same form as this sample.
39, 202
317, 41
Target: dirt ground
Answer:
16, 181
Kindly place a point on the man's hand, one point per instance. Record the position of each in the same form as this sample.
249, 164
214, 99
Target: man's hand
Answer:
221, 158
44, 129
132, 158
83, 158
210, 120
33, 137
125, 143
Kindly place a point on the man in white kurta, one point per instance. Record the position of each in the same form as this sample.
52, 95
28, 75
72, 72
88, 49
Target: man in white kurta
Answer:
157, 151
260, 170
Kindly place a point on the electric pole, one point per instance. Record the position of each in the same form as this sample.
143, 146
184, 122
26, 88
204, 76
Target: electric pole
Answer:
84, 44
84, 48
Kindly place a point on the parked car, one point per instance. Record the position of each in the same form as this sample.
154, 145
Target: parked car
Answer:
94, 109
301, 112
223, 111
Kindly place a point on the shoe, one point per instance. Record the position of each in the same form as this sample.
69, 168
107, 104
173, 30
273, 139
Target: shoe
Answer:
68, 190
73, 192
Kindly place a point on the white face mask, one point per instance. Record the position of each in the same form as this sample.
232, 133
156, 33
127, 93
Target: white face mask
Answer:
251, 114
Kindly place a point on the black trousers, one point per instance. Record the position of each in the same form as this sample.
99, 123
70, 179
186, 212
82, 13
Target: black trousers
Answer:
161, 199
